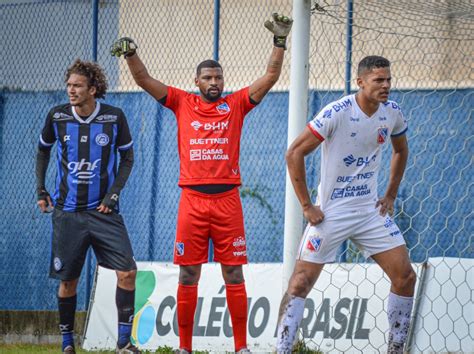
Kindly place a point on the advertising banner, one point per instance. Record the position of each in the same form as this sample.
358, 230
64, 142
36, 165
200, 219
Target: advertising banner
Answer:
346, 307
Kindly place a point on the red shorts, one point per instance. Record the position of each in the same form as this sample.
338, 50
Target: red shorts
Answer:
215, 216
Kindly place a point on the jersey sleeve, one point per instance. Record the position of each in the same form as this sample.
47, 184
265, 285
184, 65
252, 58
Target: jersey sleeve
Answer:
401, 125
124, 138
48, 137
242, 97
324, 123
173, 98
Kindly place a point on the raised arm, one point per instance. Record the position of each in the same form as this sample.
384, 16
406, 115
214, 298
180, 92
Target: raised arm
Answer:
126, 46
304, 144
280, 27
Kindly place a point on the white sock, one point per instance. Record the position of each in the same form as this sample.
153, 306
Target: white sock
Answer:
399, 316
289, 324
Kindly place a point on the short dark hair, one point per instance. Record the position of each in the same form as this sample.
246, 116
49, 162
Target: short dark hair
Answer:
371, 62
93, 72
207, 64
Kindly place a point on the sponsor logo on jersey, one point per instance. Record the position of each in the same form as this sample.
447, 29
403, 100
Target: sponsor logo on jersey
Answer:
354, 119
353, 134
359, 176
327, 114
106, 118
66, 138
208, 141
314, 244
196, 125
349, 160
84, 139
179, 248
350, 191
83, 170
102, 139
360, 161
195, 155
223, 108
210, 126
382, 134
382, 118
318, 123
58, 116
342, 105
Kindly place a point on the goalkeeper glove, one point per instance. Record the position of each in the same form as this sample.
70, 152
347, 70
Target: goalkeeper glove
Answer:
124, 46
280, 27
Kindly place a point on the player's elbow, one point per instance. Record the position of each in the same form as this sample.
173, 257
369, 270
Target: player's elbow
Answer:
291, 155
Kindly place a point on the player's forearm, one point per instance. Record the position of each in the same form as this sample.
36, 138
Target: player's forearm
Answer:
42, 161
275, 64
124, 170
137, 68
297, 172
397, 169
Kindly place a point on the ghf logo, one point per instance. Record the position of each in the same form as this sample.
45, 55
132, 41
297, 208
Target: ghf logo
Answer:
83, 169
196, 125
327, 114
102, 139
223, 108
314, 244
382, 134
318, 123
360, 161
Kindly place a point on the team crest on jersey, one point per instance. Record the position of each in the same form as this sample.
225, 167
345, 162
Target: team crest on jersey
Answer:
382, 134
223, 108
102, 139
314, 244
179, 248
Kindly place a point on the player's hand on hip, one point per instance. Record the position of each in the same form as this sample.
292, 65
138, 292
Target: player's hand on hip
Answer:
313, 214
386, 205
108, 203
124, 46
44, 201
280, 27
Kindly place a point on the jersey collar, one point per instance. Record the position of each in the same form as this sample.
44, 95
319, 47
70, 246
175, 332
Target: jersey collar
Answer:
90, 118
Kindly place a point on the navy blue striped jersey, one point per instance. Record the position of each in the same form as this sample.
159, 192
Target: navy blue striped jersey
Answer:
86, 153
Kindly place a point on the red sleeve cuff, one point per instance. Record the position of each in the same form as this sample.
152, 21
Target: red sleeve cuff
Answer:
315, 133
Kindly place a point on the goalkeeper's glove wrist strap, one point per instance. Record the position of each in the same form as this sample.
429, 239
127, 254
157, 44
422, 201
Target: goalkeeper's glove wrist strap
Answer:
279, 42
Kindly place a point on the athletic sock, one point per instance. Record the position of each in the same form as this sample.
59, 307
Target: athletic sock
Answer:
187, 301
399, 316
289, 324
67, 311
237, 304
125, 301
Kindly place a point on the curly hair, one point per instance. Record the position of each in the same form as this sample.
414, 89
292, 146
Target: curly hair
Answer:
93, 72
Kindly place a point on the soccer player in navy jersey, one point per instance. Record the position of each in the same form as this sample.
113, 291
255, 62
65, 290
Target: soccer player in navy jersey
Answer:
85, 212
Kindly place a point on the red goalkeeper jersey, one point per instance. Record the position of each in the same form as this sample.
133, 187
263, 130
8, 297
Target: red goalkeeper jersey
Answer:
209, 136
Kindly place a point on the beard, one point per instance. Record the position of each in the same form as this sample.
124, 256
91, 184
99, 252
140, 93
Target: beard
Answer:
211, 97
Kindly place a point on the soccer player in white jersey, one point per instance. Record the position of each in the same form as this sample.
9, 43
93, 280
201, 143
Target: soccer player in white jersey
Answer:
352, 132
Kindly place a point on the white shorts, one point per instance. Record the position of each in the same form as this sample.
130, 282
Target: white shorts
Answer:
368, 230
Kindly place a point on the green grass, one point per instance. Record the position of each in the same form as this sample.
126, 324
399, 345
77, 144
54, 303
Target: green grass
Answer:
56, 348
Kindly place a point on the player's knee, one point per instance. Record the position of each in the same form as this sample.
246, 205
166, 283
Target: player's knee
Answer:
127, 279
67, 288
233, 275
189, 275
406, 281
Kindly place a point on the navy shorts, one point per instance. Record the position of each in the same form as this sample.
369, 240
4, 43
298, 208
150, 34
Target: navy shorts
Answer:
74, 233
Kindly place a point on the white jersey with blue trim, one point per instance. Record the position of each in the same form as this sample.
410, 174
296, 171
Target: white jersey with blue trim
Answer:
351, 152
